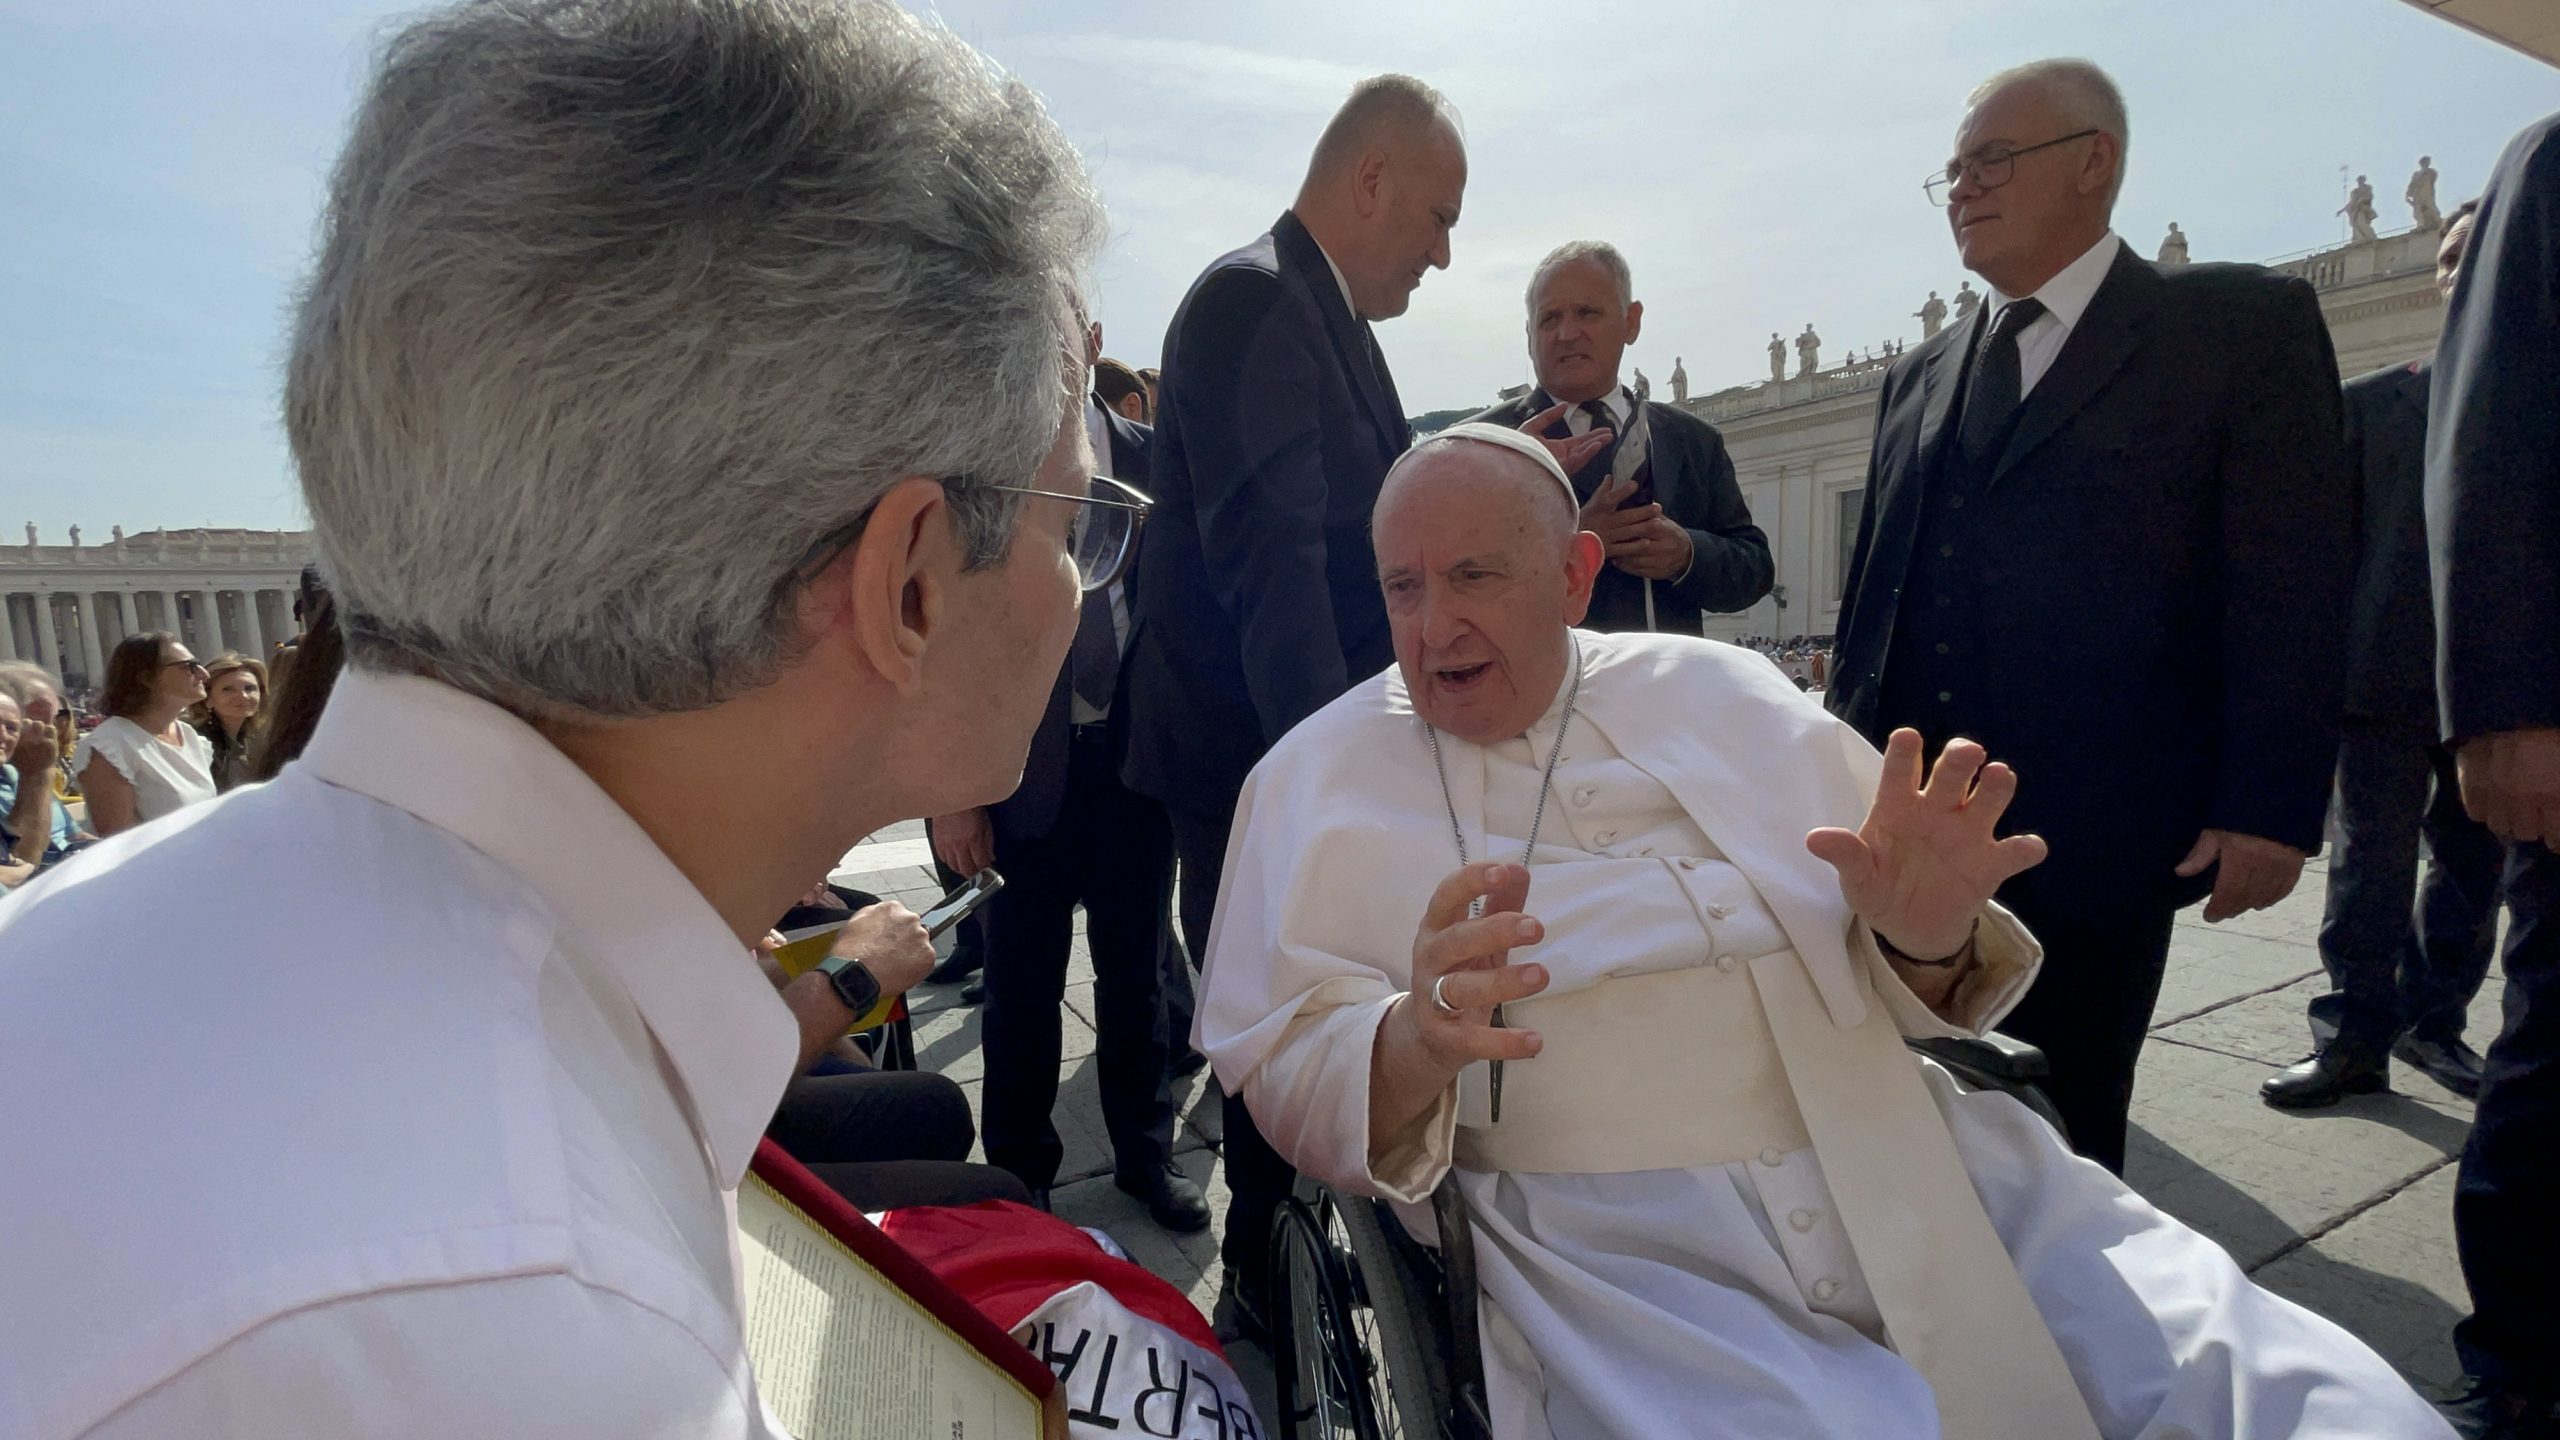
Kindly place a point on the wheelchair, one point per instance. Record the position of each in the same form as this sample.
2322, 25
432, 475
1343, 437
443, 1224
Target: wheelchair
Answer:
1374, 1333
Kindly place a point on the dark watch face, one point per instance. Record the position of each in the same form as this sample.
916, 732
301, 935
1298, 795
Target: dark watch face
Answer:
858, 988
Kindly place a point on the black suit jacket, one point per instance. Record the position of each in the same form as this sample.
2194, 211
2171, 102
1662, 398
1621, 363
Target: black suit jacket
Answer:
2163, 583
1276, 425
1694, 482
2391, 674
2493, 455
1032, 809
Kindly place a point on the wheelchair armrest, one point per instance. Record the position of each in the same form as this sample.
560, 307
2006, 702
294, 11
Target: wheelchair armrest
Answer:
1995, 1055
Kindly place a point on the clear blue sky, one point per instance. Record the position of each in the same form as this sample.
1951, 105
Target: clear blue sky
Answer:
161, 161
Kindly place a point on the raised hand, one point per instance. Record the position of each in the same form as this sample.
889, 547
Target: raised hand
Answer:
1926, 861
1421, 1047
1572, 453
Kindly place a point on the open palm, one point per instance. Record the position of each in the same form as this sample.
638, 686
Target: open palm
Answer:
1926, 861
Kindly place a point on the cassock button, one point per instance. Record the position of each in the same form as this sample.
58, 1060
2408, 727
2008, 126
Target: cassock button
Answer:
1955, 502
1945, 695
1773, 1157
1725, 963
1605, 837
1826, 1290
1688, 862
1583, 795
1942, 647
1946, 552
1802, 1221
1718, 912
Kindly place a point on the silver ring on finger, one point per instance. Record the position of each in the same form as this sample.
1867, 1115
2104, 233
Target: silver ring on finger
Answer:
1439, 1001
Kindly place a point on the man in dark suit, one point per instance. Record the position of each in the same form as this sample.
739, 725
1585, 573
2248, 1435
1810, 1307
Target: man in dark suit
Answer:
2493, 538
1073, 833
1277, 420
2404, 971
2106, 534
1662, 497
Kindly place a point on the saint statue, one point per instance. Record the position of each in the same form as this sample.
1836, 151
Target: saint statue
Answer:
2421, 196
1932, 314
2173, 246
1679, 381
2359, 212
31, 534
1777, 372
1967, 301
1808, 350
75, 537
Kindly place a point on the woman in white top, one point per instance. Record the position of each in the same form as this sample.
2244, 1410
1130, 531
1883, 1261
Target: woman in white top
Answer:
144, 761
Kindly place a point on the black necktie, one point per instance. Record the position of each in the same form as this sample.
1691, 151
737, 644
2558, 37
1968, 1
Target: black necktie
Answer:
1095, 660
1598, 410
1991, 400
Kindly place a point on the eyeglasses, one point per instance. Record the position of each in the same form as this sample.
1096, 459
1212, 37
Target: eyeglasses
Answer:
195, 665
1103, 536
1991, 166
1101, 539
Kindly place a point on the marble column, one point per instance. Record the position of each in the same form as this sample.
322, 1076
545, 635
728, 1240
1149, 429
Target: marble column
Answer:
255, 602
124, 614
48, 641
8, 627
85, 607
213, 613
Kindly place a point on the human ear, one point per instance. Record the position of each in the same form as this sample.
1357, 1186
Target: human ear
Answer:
1582, 559
891, 588
1635, 320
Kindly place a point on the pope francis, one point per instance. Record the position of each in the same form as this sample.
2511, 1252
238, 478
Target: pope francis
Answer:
1628, 932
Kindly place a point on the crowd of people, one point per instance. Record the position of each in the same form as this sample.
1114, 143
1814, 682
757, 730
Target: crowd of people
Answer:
1395, 778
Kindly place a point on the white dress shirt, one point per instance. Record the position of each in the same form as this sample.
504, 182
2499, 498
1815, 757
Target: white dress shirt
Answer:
1618, 403
2065, 298
405, 1095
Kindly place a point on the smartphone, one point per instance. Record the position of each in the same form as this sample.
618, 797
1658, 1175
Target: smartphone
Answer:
955, 907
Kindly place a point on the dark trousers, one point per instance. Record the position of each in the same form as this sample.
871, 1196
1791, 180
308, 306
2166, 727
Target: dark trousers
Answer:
1111, 851
969, 937
1257, 1178
2404, 965
883, 1139
2090, 1006
2508, 1190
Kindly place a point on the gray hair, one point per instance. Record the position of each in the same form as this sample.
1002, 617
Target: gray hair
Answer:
2082, 91
1599, 252
20, 678
621, 304
1379, 106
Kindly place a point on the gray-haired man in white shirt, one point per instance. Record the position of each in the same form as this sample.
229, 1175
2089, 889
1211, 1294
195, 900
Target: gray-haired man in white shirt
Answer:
687, 402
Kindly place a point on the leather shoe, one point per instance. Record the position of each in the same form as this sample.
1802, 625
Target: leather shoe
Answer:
1240, 1313
959, 965
1186, 1063
975, 992
2337, 1072
1174, 1199
2449, 1063
2485, 1413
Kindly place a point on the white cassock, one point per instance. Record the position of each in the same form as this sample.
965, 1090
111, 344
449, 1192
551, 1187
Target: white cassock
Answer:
1669, 1213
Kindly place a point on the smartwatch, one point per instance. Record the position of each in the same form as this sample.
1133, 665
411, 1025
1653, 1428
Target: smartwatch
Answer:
854, 983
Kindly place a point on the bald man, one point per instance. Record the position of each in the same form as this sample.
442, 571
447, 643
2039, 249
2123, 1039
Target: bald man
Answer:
1644, 988
1256, 596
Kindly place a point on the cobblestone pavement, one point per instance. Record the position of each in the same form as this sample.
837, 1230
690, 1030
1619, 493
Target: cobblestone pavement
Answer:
2348, 1211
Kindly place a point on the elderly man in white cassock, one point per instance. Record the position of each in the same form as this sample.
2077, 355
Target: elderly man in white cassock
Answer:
1669, 923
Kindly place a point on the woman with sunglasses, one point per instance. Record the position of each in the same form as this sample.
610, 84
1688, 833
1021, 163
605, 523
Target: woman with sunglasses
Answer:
144, 761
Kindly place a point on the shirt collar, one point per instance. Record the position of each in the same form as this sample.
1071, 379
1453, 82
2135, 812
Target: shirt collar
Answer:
1344, 284
1619, 402
477, 772
1097, 431
2066, 296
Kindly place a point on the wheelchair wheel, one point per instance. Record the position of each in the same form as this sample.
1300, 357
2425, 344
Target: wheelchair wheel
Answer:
1350, 1364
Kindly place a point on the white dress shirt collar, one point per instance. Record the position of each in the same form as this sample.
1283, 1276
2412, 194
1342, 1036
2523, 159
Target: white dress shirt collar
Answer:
1338, 280
1620, 405
2066, 296
469, 768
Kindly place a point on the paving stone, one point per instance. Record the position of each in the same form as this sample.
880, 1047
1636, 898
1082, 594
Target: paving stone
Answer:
2390, 1276
2256, 1179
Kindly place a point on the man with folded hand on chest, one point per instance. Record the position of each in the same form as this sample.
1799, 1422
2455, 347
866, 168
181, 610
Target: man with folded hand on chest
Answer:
1712, 1192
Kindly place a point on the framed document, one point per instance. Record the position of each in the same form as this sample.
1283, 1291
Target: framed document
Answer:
852, 1338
